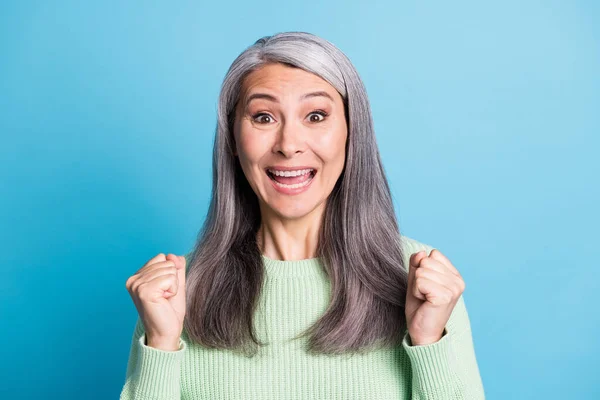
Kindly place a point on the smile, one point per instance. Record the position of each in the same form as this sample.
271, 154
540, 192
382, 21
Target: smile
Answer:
291, 181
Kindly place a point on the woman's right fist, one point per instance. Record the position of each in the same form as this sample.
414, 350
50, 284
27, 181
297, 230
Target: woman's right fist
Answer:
158, 292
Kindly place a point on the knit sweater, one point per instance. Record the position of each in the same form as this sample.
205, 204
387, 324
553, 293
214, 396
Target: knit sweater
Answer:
294, 295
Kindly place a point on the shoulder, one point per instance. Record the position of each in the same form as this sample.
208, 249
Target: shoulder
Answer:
411, 245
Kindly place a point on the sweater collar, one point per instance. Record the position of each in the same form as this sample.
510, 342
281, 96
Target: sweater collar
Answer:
309, 267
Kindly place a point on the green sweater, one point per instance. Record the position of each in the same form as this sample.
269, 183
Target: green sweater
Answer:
295, 294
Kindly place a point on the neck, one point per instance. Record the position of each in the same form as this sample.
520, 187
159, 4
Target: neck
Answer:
289, 239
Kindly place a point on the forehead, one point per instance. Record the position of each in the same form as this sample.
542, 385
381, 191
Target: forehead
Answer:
283, 79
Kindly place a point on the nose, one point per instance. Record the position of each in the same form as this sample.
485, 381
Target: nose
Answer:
290, 140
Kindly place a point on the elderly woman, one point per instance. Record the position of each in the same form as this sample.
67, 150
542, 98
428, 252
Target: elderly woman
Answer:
300, 285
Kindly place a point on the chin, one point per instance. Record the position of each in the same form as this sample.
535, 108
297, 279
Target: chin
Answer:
292, 213
291, 209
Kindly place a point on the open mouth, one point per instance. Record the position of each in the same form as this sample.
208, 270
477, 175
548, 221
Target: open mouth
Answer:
292, 179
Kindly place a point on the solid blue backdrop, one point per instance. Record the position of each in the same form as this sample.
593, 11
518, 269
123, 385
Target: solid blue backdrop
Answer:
486, 114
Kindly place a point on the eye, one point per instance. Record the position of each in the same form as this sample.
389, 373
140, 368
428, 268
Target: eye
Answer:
320, 113
256, 117
264, 118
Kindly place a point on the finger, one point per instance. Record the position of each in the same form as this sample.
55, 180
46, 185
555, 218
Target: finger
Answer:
442, 278
413, 264
182, 271
151, 267
432, 291
149, 276
168, 283
157, 258
417, 293
174, 258
445, 276
415, 258
440, 257
155, 273
161, 286
141, 272
180, 263
435, 265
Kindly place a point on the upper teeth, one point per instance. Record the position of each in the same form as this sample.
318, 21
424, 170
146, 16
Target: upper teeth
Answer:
291, 173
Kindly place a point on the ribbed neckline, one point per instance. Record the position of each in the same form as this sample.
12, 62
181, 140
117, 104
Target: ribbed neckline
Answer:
309, 267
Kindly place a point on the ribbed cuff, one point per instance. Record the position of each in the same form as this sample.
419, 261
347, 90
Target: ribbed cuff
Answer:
159, 370
433, 365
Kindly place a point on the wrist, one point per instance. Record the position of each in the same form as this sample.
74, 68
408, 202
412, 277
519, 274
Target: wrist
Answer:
165, 344
426, 340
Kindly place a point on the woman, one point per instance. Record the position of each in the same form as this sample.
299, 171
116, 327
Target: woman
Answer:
300, 285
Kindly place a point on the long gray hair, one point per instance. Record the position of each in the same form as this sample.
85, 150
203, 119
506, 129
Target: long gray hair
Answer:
359, 240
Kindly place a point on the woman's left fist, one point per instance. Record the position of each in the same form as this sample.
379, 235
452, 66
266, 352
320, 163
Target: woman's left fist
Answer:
434, 287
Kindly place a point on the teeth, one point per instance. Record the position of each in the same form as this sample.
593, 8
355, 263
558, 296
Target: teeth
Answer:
294, 186
291, 173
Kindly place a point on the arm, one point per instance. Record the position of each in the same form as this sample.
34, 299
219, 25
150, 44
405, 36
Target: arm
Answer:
152, 374
446, 369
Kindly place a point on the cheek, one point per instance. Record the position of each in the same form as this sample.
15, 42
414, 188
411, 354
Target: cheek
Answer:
332, 146
250, 146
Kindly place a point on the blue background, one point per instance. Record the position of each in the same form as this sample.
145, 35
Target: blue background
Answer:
487, 116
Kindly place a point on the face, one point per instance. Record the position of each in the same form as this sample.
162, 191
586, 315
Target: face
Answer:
290, 134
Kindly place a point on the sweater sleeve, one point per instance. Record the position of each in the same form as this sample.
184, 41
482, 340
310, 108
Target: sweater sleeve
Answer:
446, 369
152, 374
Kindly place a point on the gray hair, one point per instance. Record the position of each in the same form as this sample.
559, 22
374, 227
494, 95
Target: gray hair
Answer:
359, 241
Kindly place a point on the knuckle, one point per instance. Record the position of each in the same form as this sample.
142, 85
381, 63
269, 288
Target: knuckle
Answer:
437, 301
139, 288
141, 298
163, 264
448, 296
418, 284
141, 293
454, 292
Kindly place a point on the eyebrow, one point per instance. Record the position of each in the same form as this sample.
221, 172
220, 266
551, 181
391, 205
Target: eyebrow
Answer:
274, 99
